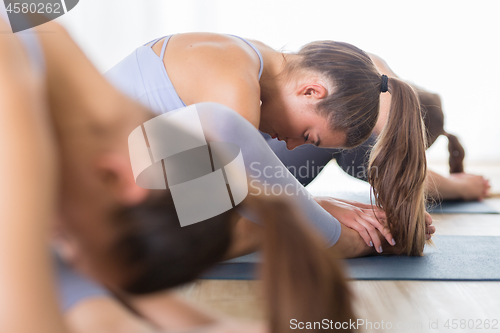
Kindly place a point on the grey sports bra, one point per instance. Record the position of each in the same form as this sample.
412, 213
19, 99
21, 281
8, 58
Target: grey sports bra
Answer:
142, 76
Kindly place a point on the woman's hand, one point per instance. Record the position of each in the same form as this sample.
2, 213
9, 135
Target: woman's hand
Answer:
360, 217
350, 215
470, 187
429, 228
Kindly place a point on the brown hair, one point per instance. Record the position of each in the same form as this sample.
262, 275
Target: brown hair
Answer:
457, 154
399, 154
150, 242
302, 278
432, 113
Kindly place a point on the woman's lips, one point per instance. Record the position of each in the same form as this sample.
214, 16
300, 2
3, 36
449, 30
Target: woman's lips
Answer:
278, 137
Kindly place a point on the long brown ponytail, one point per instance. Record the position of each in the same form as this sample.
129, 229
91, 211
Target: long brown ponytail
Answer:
432, 112
302, 279
398, 169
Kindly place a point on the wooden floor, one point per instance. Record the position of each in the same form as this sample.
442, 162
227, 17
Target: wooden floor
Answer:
413, 305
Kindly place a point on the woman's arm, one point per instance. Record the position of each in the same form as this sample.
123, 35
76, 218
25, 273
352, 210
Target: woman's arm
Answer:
27, 197
169, 311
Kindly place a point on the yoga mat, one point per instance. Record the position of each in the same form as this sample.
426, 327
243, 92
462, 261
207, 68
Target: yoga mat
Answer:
445, 207
455, 258
462, 207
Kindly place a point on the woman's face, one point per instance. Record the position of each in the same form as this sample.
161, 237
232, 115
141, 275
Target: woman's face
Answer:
93, 186
293, 118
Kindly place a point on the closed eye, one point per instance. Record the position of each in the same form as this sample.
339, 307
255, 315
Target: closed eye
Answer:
306, 138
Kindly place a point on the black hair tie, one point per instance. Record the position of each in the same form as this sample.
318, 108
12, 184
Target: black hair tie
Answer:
384, 87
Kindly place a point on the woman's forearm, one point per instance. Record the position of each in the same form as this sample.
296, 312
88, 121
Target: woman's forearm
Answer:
351, 245
169, 311
440, 187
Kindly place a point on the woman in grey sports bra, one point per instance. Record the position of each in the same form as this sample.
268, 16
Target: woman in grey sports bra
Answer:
327, 94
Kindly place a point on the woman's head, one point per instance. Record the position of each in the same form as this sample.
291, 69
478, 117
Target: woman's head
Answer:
152, 252
290, 113
96, 177
141, 247
352, 106
397, 163
330, 94
306, 282
162, 253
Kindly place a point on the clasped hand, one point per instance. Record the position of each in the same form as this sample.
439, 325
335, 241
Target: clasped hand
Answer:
367, 220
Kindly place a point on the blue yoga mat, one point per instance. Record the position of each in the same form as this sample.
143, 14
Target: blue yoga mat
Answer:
454, 258
461, 207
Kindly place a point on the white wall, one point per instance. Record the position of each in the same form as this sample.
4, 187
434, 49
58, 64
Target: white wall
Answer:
450, 47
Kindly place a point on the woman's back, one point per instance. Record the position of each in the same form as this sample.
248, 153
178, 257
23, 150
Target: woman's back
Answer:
185, 69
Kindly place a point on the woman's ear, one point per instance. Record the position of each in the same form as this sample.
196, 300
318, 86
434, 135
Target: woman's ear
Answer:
313, 88
114, 171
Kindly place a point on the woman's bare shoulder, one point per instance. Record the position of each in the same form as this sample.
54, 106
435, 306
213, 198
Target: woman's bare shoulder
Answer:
211, 51
207, 67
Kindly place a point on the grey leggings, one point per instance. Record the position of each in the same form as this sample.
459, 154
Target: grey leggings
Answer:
305, 162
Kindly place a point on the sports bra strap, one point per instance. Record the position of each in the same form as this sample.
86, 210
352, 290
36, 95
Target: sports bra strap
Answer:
164, 47
256, 51
153, 42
